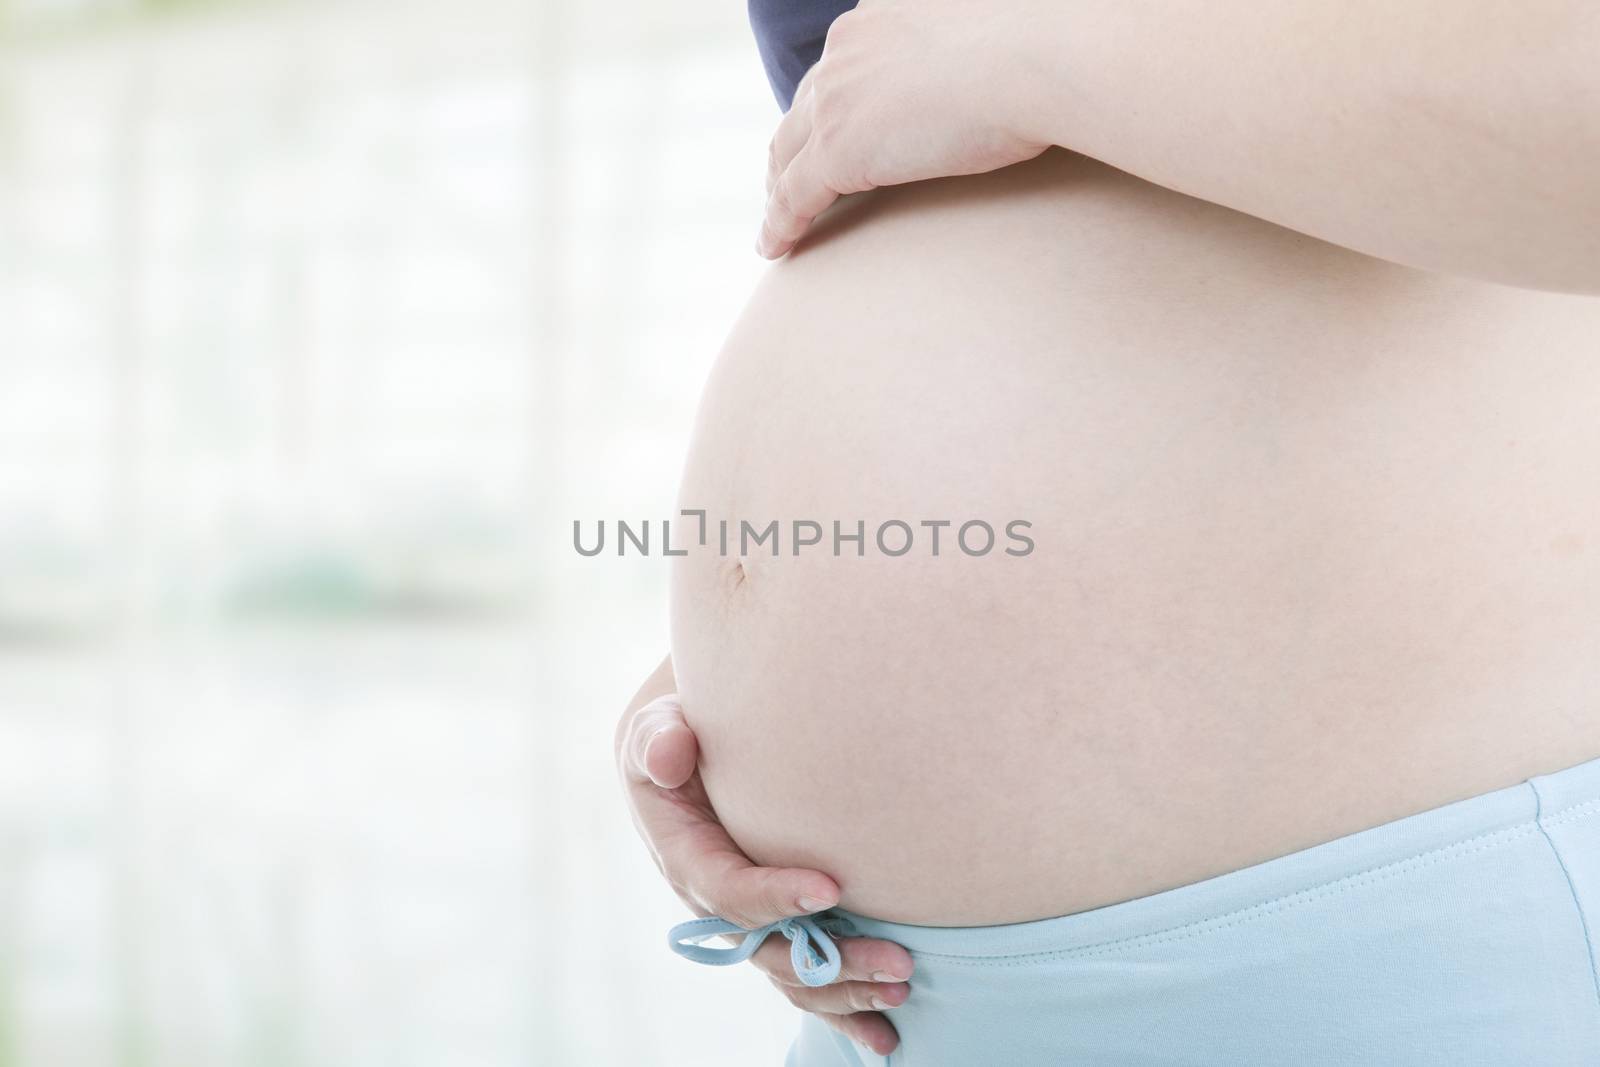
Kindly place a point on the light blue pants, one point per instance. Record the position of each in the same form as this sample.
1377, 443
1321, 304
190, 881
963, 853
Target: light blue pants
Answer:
1460, 936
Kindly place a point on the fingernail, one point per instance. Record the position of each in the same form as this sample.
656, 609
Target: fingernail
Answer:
763, 246
813, 904
885, 976
880, 1003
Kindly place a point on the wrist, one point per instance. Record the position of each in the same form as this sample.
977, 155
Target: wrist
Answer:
1038, 99
1061, 70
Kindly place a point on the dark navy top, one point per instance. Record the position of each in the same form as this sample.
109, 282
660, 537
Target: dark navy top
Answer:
789, 35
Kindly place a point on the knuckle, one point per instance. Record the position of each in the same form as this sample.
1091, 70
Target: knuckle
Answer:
829, 96
854, 960
827, 141
772, 899
824, 102
844, 27
738, 913
803, 86
716, 904
783, 197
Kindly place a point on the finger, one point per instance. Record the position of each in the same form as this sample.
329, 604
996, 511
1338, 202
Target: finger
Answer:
846, 998
862, 959
798, 196
792, 133
660, 747
868, 1027
750, 896
707, 869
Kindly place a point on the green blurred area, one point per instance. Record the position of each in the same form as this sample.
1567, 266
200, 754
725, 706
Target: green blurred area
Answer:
24, 17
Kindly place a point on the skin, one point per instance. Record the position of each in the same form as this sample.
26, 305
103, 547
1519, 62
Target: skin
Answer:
1295, 510
1298, 510
1476, 126
656, 755
1478, 140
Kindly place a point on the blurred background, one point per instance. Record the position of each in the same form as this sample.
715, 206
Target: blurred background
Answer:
320, 322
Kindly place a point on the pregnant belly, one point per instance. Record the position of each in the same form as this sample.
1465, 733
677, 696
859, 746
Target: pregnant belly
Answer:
1298, 543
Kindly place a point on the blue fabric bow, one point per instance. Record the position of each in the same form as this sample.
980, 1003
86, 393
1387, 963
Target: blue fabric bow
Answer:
814, 954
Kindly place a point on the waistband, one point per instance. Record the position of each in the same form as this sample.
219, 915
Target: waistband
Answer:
1432, 836
1479, 822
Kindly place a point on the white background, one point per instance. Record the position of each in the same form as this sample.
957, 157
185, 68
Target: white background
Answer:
319, 324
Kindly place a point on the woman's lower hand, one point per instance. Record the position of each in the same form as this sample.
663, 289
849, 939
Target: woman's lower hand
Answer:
657, 756
905, 90
871, 980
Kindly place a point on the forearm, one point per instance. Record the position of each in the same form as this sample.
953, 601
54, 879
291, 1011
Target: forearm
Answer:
1459, 137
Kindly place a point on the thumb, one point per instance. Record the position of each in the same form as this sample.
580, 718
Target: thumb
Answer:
661, 748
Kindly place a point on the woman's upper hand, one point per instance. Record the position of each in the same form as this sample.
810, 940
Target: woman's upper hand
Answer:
657, 756
905, 90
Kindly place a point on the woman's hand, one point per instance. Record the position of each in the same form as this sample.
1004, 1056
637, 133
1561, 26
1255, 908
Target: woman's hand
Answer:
656, 754
1467, 145
905, 90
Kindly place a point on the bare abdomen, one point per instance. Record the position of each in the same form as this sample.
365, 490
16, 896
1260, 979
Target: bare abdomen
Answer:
1311, 546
